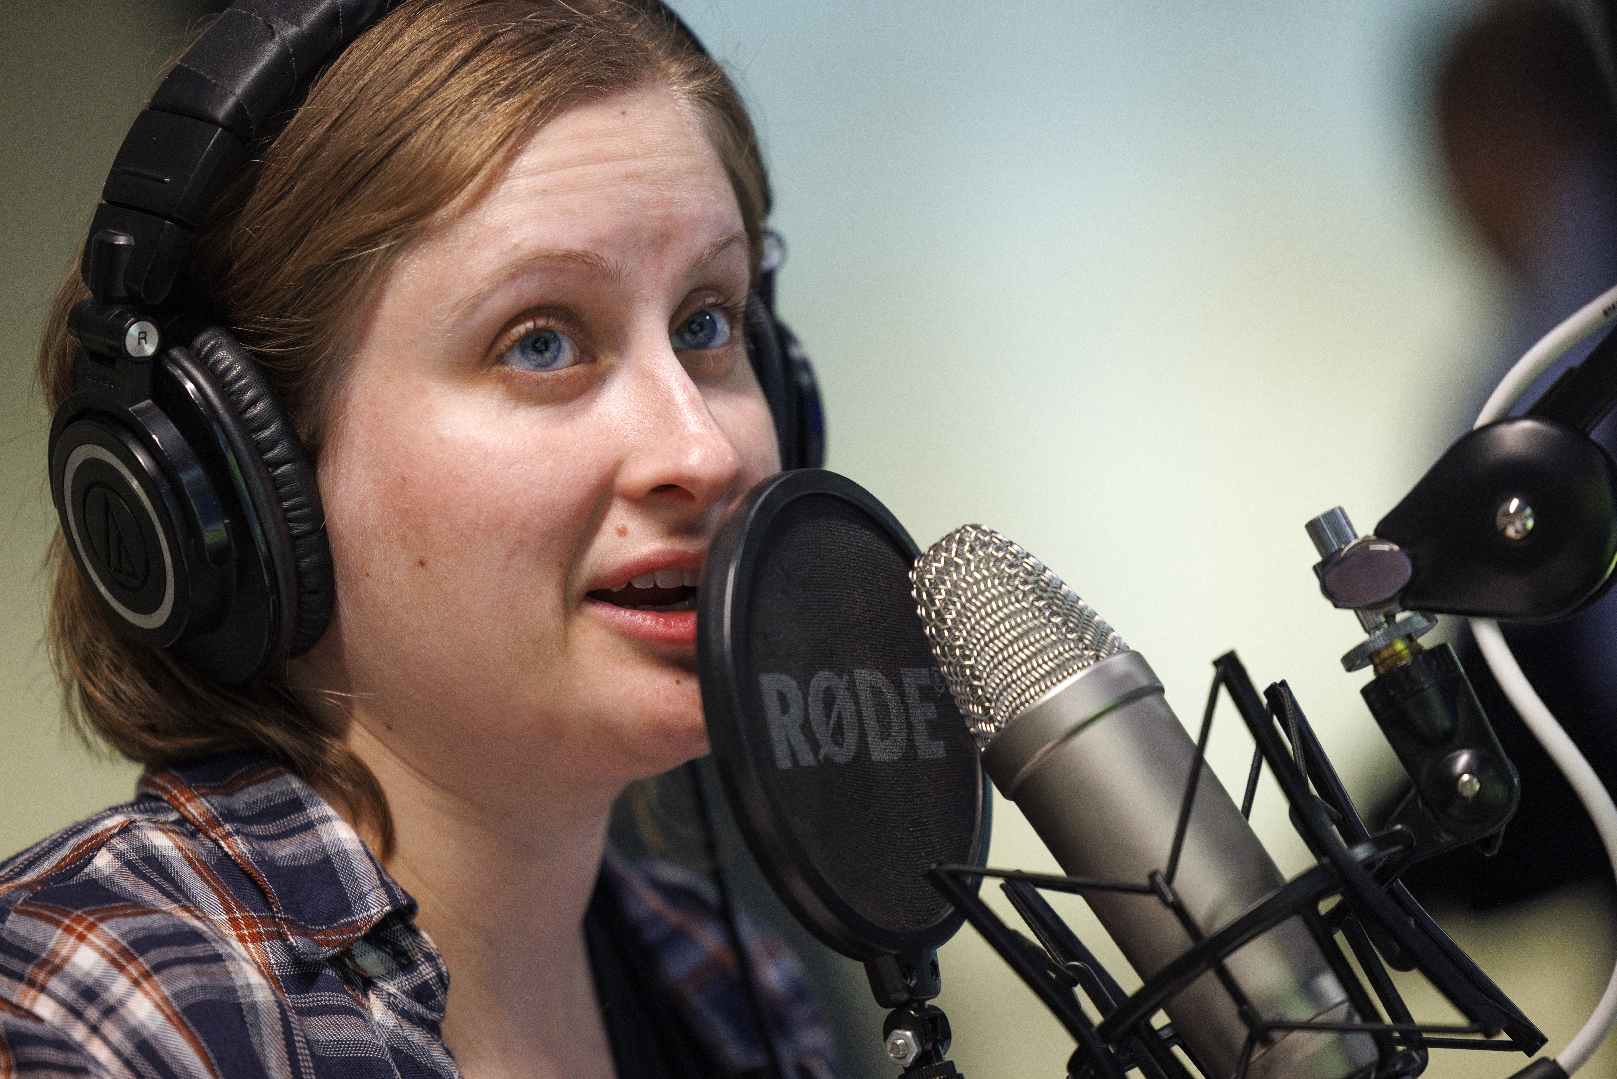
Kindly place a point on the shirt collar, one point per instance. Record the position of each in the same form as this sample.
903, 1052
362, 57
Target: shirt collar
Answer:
322, 881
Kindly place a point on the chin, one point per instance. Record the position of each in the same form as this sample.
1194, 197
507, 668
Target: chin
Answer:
677, 742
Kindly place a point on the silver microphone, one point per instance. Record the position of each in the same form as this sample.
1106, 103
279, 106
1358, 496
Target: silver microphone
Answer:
1074, 729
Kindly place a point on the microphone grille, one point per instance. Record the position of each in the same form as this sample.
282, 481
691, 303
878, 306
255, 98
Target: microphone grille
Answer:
1003, 627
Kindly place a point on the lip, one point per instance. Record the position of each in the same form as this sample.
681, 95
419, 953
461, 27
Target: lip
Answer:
668, 629
675, 629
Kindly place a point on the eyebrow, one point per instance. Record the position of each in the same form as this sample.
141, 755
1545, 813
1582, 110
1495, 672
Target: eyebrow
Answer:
718, 247
591, 261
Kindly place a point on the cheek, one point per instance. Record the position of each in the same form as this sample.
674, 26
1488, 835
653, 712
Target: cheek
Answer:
432, 515
751, 429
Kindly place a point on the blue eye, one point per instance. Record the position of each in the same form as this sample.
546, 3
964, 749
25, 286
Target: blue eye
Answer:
708, 328
542, 350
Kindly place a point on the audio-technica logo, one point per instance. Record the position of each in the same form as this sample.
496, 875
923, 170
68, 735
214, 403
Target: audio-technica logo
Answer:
113, 537
842, 714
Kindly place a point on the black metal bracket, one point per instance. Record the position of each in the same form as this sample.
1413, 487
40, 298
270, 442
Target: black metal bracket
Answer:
1516, 520
1374, 919
1466, 789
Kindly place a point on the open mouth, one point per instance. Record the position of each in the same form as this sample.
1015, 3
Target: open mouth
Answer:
664, 590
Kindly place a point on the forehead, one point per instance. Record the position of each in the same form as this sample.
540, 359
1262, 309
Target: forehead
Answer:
612, 202
636, 162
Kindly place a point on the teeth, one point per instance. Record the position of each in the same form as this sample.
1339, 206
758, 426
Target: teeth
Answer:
664, 578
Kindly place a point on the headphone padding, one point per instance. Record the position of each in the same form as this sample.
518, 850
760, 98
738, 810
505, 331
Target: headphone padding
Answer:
275, 435
805, 398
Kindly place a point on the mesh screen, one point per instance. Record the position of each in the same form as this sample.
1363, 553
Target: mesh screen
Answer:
1005, 628
860, 743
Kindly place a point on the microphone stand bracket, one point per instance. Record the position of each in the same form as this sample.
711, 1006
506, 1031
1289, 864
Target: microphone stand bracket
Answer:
1352, 865
1466, 789
916, 1034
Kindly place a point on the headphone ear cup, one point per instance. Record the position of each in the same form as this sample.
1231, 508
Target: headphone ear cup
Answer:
788, 383
191, 509
769, 365
291, 520
137, 536
805, 399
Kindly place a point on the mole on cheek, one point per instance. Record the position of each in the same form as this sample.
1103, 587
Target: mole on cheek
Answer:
622, 530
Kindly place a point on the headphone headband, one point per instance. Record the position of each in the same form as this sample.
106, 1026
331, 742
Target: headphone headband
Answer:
228, 90
187, 500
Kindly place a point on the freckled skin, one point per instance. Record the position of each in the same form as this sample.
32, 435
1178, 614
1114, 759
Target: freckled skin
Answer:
505, 480
501, 707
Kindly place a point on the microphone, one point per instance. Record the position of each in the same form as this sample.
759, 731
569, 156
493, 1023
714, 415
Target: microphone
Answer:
1074, 729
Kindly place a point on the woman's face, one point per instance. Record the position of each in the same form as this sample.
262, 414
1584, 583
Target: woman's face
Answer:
547, 411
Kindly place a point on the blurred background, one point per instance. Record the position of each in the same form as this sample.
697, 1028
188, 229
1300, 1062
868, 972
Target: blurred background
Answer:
1144, 286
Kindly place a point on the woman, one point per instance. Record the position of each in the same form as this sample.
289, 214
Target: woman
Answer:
497, 266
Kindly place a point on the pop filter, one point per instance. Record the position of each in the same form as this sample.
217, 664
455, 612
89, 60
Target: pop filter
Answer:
845, 762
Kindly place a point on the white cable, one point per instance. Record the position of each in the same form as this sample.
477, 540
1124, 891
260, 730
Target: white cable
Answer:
1508, 673
1590, 791
1551, 347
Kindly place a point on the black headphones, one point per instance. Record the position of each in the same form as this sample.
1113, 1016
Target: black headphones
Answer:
185, 497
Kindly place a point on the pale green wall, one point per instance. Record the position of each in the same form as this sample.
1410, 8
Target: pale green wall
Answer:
73, 77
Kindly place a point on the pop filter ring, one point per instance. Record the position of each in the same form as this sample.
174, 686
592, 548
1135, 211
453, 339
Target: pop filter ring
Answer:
728, 576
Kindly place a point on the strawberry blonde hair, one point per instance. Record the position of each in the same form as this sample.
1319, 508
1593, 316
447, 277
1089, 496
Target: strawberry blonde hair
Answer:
396, 134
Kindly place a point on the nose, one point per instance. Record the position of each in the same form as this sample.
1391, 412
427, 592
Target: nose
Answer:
677, 452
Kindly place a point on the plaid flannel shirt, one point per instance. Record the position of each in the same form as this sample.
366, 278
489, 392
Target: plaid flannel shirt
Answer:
229, 923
